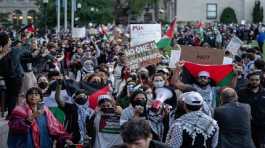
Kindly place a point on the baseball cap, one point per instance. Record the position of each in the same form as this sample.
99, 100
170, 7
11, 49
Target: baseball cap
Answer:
192, 98
203, 74
104, 97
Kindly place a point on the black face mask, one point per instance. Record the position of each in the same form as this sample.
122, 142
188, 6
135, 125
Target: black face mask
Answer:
43, 85
139, 102
95, 84
108, 110
81, 101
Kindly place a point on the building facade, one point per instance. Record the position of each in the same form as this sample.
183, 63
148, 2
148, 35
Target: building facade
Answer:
19, 11
210, 10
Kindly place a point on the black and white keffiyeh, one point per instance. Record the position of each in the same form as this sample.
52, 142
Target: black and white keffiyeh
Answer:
193, 123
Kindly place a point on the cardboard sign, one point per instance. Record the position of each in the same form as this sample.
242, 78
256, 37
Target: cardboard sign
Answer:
143, 55
109, 123
143, 33
79, 32
202, 55
234, 45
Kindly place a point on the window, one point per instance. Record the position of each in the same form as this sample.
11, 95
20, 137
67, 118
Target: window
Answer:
211, 11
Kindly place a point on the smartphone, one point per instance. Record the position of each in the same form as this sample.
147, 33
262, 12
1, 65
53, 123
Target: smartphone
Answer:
40, 105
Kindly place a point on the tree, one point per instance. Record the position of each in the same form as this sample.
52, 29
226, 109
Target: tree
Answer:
95, 11
125, 8
257, 12
228, 16
4, 19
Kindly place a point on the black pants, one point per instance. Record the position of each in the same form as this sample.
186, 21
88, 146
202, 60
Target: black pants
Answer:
258, 136
13, 87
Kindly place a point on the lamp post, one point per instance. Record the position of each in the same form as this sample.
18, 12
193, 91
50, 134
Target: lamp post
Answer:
45, 3
58, 16
65, 15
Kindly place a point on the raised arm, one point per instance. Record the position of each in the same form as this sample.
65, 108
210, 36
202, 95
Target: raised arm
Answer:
175, 80
59, 101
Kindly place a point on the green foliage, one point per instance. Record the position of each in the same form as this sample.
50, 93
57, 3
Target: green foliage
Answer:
257, 13
228, 16
137, 6
102, 12
4, 19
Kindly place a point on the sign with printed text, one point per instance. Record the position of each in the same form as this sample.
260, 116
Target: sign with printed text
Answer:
143, 55
202, 55
79, 32
143, 33
109, 123
234, 45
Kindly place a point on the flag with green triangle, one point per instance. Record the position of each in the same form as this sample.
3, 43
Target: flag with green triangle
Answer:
166, 40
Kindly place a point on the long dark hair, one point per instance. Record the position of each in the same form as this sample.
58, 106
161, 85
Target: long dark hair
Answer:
34, 89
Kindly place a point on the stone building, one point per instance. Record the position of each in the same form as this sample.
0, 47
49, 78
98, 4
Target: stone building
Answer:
210, 10
19, 11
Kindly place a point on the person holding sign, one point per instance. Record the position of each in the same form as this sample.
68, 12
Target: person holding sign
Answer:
104, 125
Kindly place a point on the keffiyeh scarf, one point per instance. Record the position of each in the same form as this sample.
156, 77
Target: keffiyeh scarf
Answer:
84, 112
197, 122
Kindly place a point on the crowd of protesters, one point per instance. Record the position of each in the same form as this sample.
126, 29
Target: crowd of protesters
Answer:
58, 91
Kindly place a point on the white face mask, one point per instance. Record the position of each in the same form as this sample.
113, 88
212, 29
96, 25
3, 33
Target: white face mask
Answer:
158, 84
149, 96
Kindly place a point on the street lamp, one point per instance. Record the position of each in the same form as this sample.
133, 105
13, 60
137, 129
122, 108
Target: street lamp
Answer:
92, 9
79, 5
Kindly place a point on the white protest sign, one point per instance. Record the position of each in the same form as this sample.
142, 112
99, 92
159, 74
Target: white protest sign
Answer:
79, 32
174, 58
227, 60
234, 45
143, 33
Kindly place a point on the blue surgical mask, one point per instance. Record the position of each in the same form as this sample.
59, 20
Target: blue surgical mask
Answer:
159, 84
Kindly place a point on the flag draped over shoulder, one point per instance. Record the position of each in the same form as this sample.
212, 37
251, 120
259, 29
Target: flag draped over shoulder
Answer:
166, 40
221, 75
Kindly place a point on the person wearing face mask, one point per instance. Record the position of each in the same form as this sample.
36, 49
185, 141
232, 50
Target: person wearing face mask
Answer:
43, 84
137, 108
77, 114
123, 97
159, 81
254, 95
105, 123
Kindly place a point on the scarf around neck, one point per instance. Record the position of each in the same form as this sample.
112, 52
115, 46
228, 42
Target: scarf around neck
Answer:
84, 112
206, 93
197, 122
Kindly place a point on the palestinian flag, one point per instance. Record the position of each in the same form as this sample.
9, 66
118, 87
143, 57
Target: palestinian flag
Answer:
166, 40
221, 75
93, 98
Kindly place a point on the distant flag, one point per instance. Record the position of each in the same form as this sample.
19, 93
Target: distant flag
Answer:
200, 25
166, 40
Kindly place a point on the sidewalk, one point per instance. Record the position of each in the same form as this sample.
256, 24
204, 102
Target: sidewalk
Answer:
3, 132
